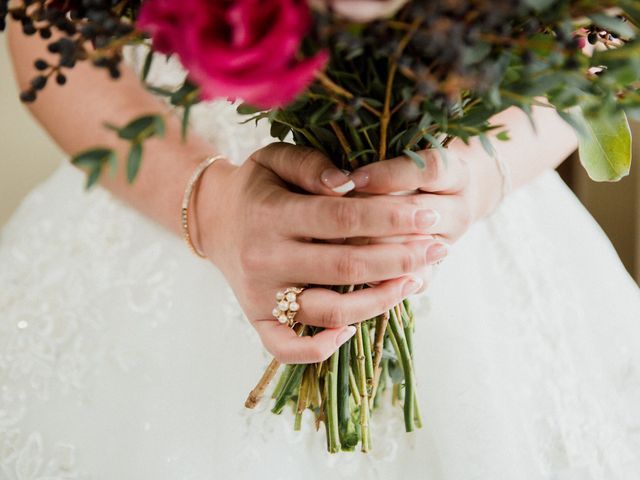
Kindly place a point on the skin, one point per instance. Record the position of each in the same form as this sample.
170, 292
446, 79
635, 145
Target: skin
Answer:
235, 205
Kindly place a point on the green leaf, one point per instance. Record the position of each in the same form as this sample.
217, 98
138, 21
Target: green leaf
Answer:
93, 177
486, 144
94, 161
415, 157
141, 128
147, 65
539, 5
246, 109
185, 95
93, 157
503, 136
184, 127
613, 25
605, 151
134, 160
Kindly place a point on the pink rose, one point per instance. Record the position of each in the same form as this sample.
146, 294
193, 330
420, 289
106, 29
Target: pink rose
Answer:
362, 10
238, 49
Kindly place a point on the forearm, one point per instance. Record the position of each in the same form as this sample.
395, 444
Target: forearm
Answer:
528, 153
74, 114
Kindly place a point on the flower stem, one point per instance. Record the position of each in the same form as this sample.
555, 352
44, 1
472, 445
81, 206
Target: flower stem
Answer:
362, 387
290, 386
331, 405
258, 392
407, 367
381, 327
344, 368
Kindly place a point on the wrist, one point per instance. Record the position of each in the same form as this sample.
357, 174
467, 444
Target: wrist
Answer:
486, 181
209, 202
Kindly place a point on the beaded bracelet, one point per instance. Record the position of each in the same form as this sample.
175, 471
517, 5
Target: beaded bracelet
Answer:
186, 201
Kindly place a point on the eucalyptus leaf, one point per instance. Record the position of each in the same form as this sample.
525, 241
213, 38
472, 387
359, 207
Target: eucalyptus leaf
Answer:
133, 161
415, 157
94, 160
539, 5
184, 126
141, 128
147, 65
613, 24
605, 151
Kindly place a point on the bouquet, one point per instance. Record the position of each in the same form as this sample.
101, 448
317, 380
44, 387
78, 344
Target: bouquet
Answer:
362, 81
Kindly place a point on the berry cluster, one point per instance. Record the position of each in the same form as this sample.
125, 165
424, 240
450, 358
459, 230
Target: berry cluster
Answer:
76, 30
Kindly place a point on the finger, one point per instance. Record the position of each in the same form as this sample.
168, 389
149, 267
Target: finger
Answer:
326, 264
331, 218
321, 307
283, 343
400, 174
451, 215
308, 169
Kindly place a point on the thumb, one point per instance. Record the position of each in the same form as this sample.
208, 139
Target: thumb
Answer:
308, 169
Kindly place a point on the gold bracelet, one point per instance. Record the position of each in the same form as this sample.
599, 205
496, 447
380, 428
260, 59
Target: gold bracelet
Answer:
186, 201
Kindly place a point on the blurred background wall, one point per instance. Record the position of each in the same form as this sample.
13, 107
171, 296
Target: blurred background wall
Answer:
27, 156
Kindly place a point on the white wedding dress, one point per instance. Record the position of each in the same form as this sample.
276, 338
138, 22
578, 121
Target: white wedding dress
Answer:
123, 356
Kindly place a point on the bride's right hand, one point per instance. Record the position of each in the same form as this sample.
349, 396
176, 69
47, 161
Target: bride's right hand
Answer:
258, 228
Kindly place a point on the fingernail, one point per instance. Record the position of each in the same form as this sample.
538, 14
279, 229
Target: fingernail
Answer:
360, 178
427, 218
412, 286
337, 181
345, 335
436, 252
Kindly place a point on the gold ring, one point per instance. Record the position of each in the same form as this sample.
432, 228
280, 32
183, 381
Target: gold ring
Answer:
287, 306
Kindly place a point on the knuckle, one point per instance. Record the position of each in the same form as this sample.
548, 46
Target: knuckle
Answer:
333, 317
346, 216
251, 259
434, 165
408, 262
396, 219
307, 158
350, 267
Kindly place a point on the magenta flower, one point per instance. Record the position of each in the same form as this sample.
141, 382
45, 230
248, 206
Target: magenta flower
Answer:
244, 49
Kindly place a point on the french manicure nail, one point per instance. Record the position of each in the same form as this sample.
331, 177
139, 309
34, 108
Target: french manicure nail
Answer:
337, 181
436, 252
426, 218
345, 335
412, 286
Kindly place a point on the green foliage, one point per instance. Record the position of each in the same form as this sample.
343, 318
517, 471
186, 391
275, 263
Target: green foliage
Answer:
94, 161
605, 145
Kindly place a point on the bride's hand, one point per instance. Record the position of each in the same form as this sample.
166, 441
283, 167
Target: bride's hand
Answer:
456, 195
258, 230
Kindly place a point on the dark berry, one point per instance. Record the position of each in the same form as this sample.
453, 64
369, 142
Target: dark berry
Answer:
40, 64
28, 96
114, 72
45, 33
61, 79
39, 82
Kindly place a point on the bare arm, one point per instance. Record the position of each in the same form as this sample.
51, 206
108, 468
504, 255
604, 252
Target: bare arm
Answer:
528, 153
73, 115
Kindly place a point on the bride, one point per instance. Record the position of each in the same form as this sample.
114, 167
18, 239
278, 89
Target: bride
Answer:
124, 356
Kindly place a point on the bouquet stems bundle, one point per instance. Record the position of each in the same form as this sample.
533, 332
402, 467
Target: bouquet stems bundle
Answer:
343, 390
